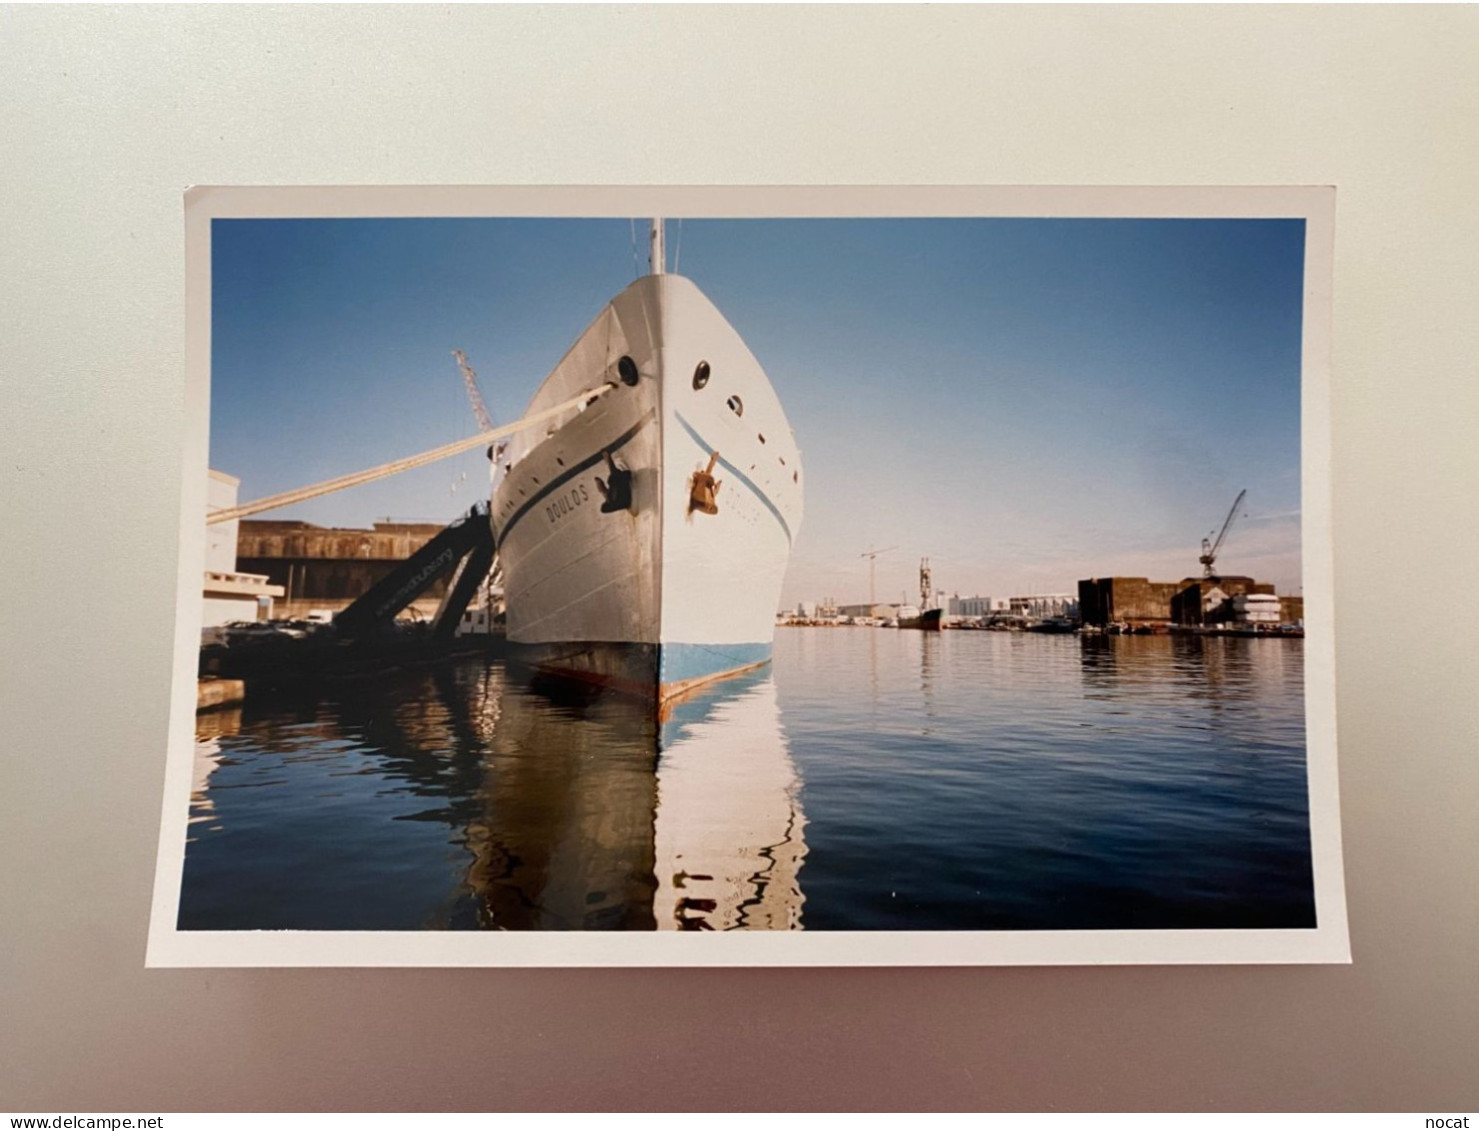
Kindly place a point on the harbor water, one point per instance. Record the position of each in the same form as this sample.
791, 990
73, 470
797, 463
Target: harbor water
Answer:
869, 779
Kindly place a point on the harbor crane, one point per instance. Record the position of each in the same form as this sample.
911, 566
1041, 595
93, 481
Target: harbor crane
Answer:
872, 556
1209, 549
479, 409
470, 379
494, 573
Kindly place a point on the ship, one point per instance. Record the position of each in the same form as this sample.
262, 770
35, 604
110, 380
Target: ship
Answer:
643, 533
932, 616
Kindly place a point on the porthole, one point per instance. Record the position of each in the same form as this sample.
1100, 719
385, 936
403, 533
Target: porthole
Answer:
701, 375
762, 437
736, 406
627, 369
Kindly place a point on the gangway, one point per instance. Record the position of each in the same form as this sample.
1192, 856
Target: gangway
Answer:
464, 550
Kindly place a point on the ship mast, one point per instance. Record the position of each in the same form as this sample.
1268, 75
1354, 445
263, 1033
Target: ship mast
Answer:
658, 254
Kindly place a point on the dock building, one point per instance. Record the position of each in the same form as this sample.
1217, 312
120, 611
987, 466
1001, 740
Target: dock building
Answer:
230, 593
328, 567
878, 610
1191, 602
1033, 606
1044, 606
959, 606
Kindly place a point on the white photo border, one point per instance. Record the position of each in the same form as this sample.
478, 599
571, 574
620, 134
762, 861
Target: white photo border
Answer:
1328, 942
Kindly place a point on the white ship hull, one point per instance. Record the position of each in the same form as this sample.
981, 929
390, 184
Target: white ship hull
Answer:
655, 595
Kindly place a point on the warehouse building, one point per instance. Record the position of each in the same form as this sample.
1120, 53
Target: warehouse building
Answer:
1138, 602
326, 568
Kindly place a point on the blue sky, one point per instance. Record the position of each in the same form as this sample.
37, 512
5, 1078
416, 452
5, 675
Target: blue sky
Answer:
1025, 402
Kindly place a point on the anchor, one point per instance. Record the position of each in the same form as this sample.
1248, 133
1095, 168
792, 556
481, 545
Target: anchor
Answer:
704, 488
616, 491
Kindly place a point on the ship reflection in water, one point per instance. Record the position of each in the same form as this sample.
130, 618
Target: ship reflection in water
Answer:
464, 798
959, 780
729, 821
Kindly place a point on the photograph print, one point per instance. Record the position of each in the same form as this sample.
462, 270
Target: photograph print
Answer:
637, 577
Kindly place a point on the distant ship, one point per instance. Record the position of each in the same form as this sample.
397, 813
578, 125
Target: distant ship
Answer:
644, 534
932, 616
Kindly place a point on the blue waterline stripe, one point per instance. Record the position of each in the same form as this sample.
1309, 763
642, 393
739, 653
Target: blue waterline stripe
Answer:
564, 477
737, 473
680, 662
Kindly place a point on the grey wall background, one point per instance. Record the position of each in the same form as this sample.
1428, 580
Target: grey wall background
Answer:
107, 114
